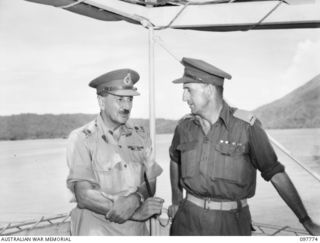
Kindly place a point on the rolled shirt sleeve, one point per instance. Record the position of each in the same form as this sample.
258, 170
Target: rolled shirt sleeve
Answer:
262, 152
173, 152
79, 161
153, 171
152, 168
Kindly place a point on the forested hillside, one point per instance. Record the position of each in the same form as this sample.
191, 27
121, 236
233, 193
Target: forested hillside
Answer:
33, 126
298, 109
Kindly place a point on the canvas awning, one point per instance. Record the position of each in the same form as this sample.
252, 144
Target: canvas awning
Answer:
204, 15
216, 15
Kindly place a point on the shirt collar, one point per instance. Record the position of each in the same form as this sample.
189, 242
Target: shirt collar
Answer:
224, 115
125, 129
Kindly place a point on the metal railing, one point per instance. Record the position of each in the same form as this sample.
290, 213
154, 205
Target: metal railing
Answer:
60, 225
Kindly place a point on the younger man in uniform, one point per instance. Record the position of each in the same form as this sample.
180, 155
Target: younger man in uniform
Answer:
215, 153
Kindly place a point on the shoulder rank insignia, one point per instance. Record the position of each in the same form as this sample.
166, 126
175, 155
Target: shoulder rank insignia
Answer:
87, 132
89, 128
245, 116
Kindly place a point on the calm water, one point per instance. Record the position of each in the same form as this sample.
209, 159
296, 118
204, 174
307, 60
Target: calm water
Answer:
33, 173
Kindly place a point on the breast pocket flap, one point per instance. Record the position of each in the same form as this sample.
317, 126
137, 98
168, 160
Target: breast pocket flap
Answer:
187, 146
226, 149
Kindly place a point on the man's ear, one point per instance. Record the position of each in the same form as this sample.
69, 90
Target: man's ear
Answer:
101, 102
210, 90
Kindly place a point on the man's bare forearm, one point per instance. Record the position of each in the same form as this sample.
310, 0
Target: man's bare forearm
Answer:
176, 188
90, 198
289, 194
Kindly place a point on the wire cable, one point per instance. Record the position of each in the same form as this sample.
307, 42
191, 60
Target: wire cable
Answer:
71, 4
266, 16
174, 18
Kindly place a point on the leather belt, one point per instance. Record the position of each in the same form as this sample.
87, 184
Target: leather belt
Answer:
213, 205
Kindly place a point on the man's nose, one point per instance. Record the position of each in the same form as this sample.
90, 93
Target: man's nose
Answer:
126, 105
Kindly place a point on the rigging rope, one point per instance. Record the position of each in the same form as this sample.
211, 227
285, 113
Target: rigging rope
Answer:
160, 42
71, 4
275, 142
266, 16
174, 18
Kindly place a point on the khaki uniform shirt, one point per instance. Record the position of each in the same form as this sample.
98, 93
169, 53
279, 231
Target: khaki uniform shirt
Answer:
116, 167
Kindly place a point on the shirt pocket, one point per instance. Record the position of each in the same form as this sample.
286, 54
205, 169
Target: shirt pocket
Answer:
231, 164
189, 158
107, 162
110, 172
136, 154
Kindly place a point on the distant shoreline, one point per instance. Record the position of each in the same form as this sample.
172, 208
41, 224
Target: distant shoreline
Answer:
47, 126
34, 126
274, 129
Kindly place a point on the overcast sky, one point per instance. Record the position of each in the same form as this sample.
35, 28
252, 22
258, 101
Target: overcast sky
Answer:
48, 56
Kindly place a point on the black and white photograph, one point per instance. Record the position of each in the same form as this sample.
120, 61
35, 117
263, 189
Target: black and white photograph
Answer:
159, 118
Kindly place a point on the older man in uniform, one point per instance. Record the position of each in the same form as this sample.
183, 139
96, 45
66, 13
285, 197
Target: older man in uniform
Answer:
215, 153
111, 174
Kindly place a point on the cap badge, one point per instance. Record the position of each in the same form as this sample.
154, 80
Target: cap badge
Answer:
127, 80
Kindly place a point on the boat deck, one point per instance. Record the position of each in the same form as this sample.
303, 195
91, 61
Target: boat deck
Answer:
59, 225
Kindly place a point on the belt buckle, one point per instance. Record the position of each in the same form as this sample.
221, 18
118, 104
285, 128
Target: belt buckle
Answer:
206, 202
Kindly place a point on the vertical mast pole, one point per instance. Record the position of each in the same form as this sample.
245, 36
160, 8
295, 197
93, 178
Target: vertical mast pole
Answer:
152, 117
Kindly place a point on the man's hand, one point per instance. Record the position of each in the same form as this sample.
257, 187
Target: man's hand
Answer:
172, 210
123, 208
311, 227
151, 206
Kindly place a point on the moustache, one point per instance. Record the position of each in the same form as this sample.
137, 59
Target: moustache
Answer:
124, 112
